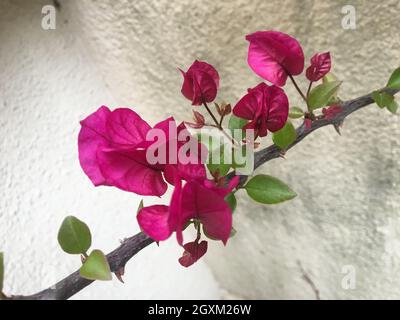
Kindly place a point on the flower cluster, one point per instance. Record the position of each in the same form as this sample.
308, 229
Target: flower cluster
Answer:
114, 146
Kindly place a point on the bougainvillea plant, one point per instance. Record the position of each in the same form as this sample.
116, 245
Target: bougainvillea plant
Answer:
205, 164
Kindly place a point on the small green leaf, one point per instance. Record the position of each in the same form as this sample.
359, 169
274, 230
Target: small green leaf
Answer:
393, 106
96, 267
240, 157
233, 232
295, 113
140, 207
221, 165
268, 190
376, 95
231, 200
329, 77
285, 136
236, 123
385, 99
394, 81
382, 99
1, 271
205, 139
322, 94
74, 236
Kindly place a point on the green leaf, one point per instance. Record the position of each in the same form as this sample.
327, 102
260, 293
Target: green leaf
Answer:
233, 232
285, 136
205, 139
140, 207
385, 99
322, 94
295, 113
96, 267
236, 123
74, 236
240, 157
231, 200
393, 106
220, 164
329, 77
394, 81
1, 271
268, 190
378, 98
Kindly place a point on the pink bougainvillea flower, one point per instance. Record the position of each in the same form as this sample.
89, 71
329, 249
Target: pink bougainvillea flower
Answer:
320, 65
113, 151
193, 252
274, 55
105, 129
200, 83
267, 108
331, 112
207, 206
198, 199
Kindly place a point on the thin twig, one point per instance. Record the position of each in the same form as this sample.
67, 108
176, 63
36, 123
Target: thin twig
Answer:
308, 279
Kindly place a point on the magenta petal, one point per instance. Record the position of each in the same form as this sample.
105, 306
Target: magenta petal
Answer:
193, 252
187, 86
153, 221
92, 135
192, 171
266, 106
205, 88
320, 66
272, 55
175, 220
126, 127
200, 83
208, 206
223, 191
278, 109
208, 68
127, 169
248, 106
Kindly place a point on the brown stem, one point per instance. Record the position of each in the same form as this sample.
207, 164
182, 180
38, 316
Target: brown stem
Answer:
219, 126
297, 88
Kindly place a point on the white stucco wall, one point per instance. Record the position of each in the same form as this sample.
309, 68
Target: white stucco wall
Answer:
126, 53
48, 82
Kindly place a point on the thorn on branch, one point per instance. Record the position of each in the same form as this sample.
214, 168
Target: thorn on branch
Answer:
337, 126
119, 274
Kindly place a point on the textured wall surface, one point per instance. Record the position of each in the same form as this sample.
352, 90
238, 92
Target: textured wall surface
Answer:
48, 83
126, 53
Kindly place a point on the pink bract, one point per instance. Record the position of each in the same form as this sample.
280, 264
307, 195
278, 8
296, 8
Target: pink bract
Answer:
274, 55
193, 252
267, 108
197, 199
320, 65
112, 151
201, 83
